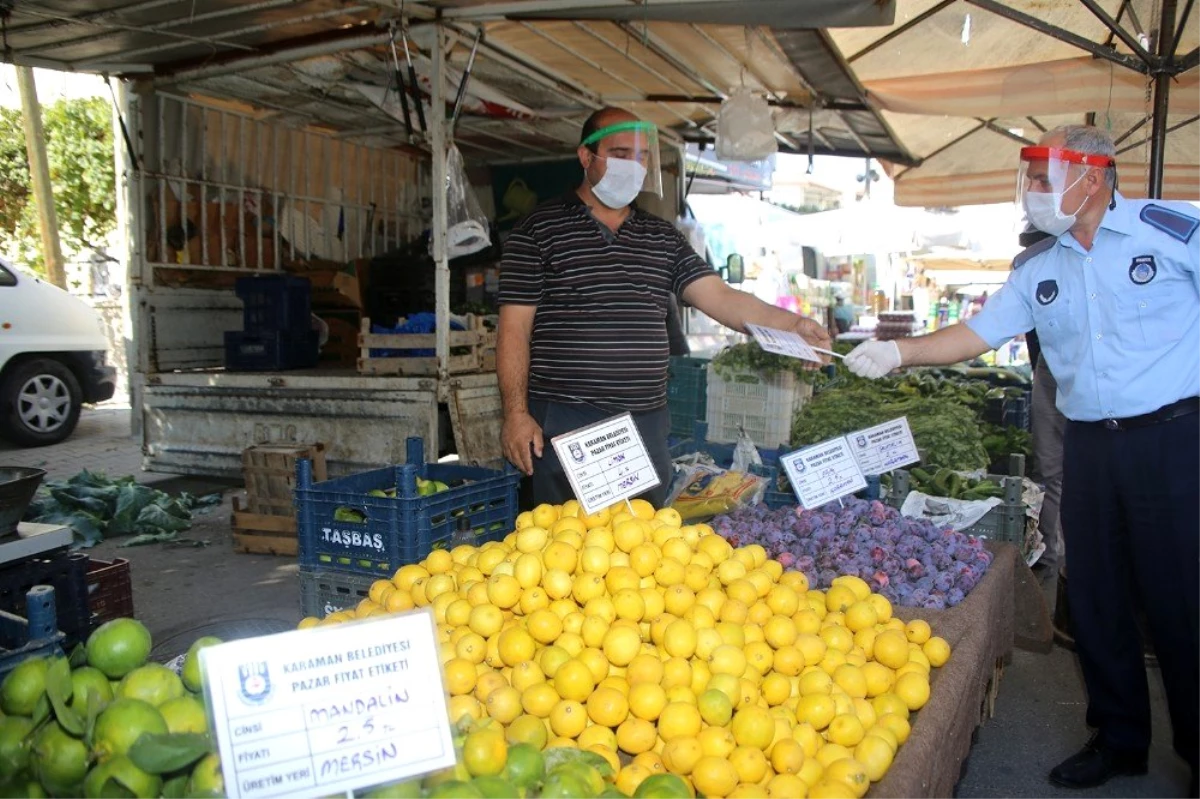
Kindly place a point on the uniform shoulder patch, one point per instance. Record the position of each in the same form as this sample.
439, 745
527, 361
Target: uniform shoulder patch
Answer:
1036, 248
1175, 224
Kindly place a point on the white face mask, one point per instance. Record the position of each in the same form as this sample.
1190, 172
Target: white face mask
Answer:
621, 183
1043, 209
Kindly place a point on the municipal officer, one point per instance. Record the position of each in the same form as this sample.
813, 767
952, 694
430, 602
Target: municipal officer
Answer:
1114, 294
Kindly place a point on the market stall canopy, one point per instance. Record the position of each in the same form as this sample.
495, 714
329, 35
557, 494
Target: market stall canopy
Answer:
966, 83
542, 65
945, 259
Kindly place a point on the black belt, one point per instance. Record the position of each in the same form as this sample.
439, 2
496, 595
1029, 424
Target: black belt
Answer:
1166, 413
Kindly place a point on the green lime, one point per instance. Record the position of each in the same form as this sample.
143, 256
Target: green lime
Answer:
117, 777
207, 779
662, 786
86, 679
24, 686
565, 785
153, 683
184, 714
525, 767
118, 647
612, 792
409, 789
14, 745
120, 725
586, 774
191, 664
455, 789
495, 787
59, 760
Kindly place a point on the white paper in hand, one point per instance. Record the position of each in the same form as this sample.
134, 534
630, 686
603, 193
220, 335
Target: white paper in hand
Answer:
783, 342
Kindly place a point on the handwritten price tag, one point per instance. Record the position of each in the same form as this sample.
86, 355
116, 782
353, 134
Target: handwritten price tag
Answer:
606, 462
823, 472
884, 447
783, 342
328, 710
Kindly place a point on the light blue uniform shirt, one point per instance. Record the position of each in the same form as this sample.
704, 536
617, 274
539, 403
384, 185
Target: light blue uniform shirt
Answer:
1119, 324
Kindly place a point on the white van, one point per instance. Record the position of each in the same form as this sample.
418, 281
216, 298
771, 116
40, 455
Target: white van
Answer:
52, 359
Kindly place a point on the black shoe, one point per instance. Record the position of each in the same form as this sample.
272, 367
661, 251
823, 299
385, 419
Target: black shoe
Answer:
1095, 765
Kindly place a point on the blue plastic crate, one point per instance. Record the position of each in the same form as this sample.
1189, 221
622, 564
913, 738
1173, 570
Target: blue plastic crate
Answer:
405, 528
34, 635
270, 350
687, 393
66, 572
275, 302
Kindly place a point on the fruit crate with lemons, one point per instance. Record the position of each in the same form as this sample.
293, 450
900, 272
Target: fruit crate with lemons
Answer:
374, 522
664, 650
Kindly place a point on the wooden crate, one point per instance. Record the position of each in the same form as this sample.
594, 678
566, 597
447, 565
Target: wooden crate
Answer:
479, 342
263, 534
269, 471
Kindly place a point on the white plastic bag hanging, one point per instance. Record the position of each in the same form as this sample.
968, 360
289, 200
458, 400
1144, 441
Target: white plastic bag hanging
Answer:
466, 224
745, 454
745, 128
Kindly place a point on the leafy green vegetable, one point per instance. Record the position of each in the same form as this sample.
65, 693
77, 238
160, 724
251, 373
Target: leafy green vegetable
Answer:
750, 357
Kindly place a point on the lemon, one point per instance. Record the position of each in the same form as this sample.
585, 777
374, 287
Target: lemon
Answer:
849, 772
851, 680
839, 598
817, 710
568, 718
787, 756
891, 649
621, 645
714, 776
607, 706
574, 680
636, 735
516, 646
896, 724
753, 726
525, 674
917, 631
913, 690
537, 700
647, 700
845, 729
831, 789
937, 651
786, 785
630, 777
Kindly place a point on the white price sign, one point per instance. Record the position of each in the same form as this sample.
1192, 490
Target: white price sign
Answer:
606, 462
884, 447
327, 710
823, 472
783, 342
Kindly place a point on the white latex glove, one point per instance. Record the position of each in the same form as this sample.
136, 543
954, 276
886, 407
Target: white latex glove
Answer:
874, 359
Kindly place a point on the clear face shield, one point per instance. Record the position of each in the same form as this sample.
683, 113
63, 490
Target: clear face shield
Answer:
1044, 177
630, 158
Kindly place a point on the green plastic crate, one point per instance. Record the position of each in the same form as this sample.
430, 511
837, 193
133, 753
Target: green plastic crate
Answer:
687, 394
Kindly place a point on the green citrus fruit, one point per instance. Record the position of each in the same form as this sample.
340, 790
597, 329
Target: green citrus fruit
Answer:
118, 777
485, 752
23, 686
207, 779
191, 664
85, 679
59, 760
457, 772
455, 789
153, 683
118, 647
565, 785
410, 789
184, 714
662, 786
14, 745
586, 774
495, 787
22, 788
525, 767
120, 725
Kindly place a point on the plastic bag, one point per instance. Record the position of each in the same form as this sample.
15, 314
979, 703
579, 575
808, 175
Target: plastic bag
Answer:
706, 491
745, 128
745, 454
466, 224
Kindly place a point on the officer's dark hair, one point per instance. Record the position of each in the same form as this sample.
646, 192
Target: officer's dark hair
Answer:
592, 124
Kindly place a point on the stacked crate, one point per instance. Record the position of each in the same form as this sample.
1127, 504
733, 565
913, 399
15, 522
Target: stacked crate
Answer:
277, 321
266, 524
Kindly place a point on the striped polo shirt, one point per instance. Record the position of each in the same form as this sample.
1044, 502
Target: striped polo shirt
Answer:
600, 331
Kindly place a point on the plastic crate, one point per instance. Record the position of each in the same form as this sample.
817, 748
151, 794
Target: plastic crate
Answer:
324, 592
687, 393
66, 573
763, 406
405, 528
275, 302
110, 589
1005, 522
34, 635
271, 350
1011, 411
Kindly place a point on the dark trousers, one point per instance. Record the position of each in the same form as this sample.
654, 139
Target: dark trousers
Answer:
550, 482
1131, 519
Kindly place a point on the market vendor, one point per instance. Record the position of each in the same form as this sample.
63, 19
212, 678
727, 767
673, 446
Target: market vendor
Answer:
585, 286
1114, 294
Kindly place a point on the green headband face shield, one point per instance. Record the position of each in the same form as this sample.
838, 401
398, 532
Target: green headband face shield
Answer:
635, 142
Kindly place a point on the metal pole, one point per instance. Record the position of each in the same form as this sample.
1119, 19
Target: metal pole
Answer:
1162, 88
39, 173
441, 212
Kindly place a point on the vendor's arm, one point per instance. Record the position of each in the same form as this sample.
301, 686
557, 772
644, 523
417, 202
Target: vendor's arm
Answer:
519, 433
735, 309
521, 271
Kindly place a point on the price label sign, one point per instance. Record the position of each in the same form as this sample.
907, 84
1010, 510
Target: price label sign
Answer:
783, 342
315, 712
884, 447
823, 472
606, 462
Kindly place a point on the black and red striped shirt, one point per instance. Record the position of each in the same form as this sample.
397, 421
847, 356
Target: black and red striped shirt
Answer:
600, 331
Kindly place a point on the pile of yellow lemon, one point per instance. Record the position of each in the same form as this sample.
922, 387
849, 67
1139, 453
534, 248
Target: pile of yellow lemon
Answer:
662, 648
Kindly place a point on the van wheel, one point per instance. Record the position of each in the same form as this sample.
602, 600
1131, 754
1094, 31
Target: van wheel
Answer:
41, 401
